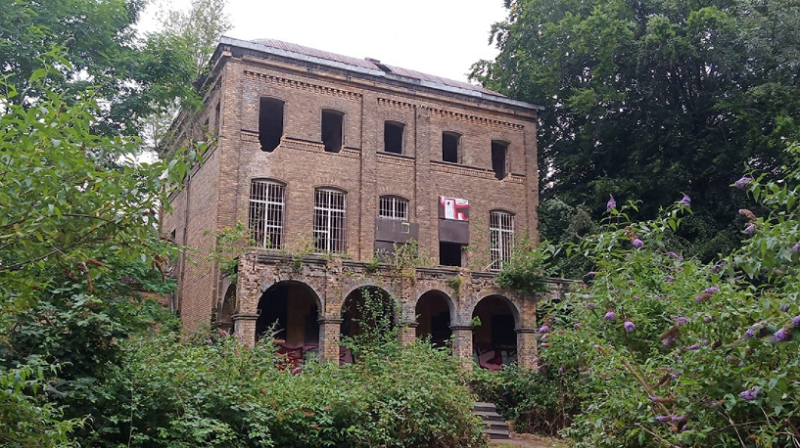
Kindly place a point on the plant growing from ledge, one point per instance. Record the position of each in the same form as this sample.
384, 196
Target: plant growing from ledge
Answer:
455, 284
232, 242
527, 270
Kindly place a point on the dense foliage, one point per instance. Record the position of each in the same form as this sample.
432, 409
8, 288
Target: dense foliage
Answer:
662, 350
647, 98
213, 391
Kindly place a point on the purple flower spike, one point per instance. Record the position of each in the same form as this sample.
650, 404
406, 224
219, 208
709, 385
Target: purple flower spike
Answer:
796, 321
669, 278
629, 326
596, 347
707, 319
743, 182
750, 230
663, 418
682, 321
783, 335
656, 399
577, 326
784, 307
796, 247
678, 418
544, 329
705, 342
718, 267
692, 347
611, 315
637, 243
612, 204
750, 333
711, 290
751, 394
687, 201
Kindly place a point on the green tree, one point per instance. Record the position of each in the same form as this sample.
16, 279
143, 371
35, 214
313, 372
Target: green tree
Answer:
646, 99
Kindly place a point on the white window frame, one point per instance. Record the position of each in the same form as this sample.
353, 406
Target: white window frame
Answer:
328, 218
267, 213
393, 207
501, 238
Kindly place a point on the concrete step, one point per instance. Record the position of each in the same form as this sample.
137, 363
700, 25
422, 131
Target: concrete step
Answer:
494, 425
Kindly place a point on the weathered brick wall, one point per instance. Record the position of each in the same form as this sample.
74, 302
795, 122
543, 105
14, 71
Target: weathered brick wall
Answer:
219, 194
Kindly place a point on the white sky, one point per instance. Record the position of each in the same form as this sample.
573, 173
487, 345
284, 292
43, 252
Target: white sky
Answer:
439, 37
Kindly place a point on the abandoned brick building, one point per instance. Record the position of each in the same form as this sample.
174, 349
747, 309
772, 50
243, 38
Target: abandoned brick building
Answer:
329, 160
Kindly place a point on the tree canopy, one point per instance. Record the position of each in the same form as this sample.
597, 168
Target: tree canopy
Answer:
647, 99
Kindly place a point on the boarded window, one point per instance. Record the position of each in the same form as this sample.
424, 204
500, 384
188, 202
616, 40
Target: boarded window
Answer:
393, 207
393, 137
329, 220
332, 130
500, 159
501, 234
267, 205
270, 123
451, 147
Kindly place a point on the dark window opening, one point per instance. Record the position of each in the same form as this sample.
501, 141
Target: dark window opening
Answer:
393, 137
500, 159
450, 254
332, 132
450, 146
270, 123
218, 118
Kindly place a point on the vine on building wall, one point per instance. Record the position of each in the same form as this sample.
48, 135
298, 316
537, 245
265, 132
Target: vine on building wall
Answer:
232, 242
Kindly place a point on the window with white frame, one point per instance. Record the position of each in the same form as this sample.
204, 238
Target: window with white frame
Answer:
393, 207
267, 205
501, 229
329, 220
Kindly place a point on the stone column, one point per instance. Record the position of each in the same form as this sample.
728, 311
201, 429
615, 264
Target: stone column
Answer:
244, 327
526, 348
329, 334
462, 344
408, 333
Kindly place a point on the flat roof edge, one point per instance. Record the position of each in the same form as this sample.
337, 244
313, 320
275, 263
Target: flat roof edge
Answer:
224, 40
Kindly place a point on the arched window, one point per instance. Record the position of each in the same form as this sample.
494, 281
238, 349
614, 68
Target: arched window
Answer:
329, 220
393, 207
267, 205
501, 232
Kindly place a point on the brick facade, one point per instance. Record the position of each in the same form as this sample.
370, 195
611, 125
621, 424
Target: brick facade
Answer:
217, 194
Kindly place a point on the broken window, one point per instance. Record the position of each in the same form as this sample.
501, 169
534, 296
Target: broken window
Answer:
500, 158
501, 235
451, 145
332, 130
393, 207
393, 137
270, 123
329, 220
267, 204
450, 254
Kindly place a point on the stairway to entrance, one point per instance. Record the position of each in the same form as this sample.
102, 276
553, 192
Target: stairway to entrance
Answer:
493, 425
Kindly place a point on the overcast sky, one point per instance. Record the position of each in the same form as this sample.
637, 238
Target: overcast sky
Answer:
439, 37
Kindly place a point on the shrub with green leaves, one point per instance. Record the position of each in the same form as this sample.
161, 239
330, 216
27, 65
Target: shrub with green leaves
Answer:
667, 351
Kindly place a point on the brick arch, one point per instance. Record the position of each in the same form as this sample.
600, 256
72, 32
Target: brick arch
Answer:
287, 279
450, 302
509, 299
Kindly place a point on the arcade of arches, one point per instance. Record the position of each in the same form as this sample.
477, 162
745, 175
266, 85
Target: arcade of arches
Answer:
309, 311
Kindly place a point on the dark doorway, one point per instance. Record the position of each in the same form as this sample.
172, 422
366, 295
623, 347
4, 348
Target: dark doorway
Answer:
450, 254
393, 137
495, 339
289, 310
433, 317
332, 130
499, 159
450, 146
270, 123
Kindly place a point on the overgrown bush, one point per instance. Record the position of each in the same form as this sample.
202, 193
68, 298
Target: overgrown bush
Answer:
660, 350
214, 391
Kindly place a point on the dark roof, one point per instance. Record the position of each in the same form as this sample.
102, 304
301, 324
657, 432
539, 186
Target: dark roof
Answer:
371, 65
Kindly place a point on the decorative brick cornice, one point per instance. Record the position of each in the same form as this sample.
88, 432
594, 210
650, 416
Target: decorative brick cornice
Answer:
473, 119
525, 330
244, 316
444, 167
304, 86
394, 104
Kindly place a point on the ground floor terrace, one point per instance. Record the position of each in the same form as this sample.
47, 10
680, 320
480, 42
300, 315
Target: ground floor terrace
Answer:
308, 304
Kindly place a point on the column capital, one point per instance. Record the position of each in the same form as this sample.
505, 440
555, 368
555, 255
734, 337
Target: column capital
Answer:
411, 324
245, 316
462, 327
525, 330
